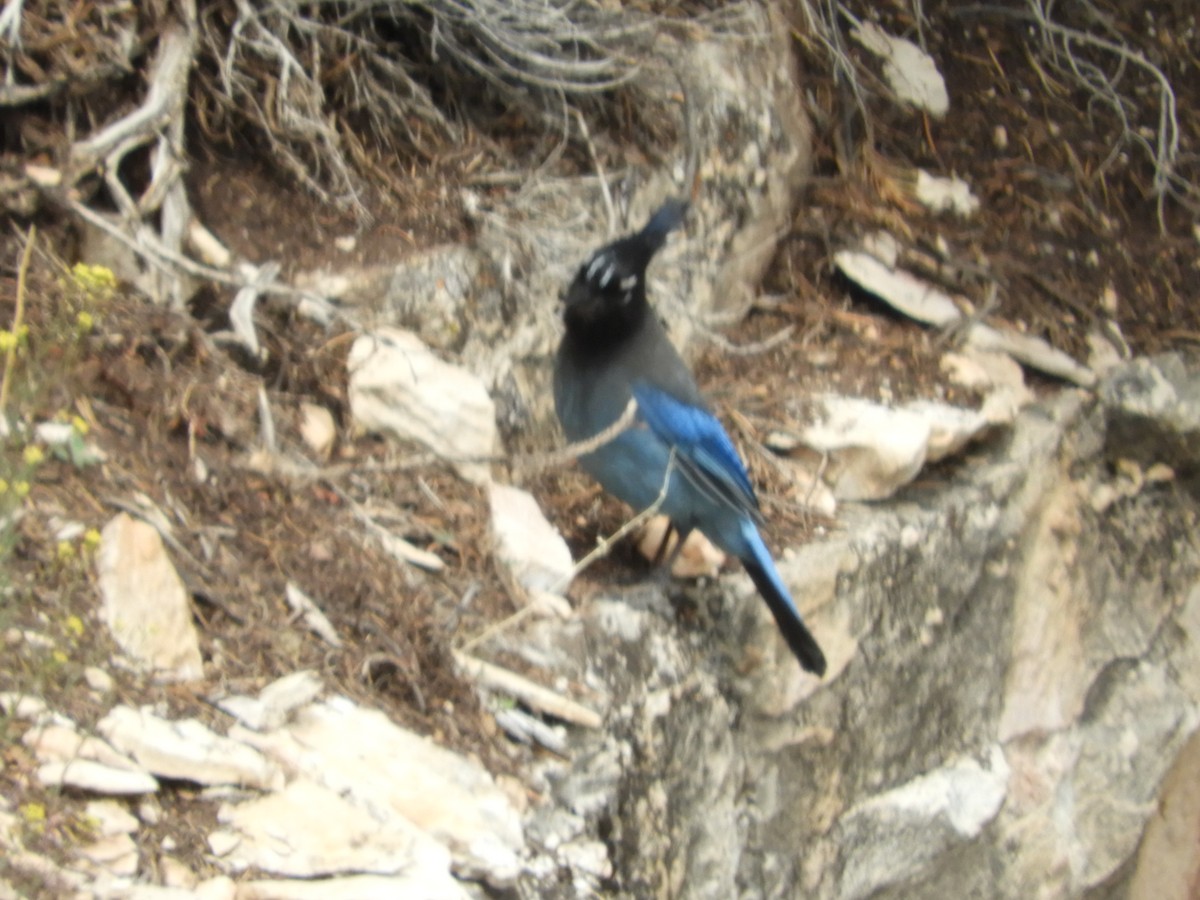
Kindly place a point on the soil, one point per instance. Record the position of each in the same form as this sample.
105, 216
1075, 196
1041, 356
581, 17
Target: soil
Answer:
1069, 243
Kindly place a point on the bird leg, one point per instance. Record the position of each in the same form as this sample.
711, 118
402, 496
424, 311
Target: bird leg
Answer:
665, 566
657, 559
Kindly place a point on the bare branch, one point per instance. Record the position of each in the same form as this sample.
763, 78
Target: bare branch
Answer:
164, 101
605, 544
538, 461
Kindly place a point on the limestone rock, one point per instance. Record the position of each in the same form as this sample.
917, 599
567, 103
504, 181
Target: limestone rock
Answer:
1168, 867
1153, 409
353, 887
114, 854
943, 194
891, 837
902, 290
97, 778
996, 375
275, 702
85, 762
25, 706
526, 542
144, 602
391, 772
309, 831
399, 387
909, 71
874, 267
110, 817
318, 429
873, 450
187, 750
1013, 675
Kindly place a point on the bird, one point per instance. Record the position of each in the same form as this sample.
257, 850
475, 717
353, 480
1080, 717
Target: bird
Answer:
615, 348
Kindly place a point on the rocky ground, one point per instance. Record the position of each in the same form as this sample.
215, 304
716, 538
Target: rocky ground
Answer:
361, 570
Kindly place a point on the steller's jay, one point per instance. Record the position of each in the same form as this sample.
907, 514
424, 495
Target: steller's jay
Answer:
615, 348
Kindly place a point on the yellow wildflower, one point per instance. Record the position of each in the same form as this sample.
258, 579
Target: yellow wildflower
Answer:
65, 551
75, 625
84, 321
21, 489
91, 539
97, 281
33, 813
80, 424
8, 341
33, 455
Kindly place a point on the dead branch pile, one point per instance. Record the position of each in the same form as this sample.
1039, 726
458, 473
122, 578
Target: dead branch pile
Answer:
102, 97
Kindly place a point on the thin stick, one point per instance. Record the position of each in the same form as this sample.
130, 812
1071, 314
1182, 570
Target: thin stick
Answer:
571, 452
158, 255
497, 627
604, 545
608, 200
528, 692
816, 480
782, 336
10, 358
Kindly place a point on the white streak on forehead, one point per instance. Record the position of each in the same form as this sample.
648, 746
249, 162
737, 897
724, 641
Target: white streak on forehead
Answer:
595, 263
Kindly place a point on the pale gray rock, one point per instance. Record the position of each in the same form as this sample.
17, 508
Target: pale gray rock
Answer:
353, 887
144, 602
187, 750
96, 778
1154, 411
874, 267
1032, 351
108, 817
532, 548
114, 855
398, 386
98, 680
900, 289
895, 835
942, 194
308, 831
275, 702
317, 429
1013, 674
996, 375
84, 762
25, 706
219, 888
871, 450
910, 72
434, 292
392, 773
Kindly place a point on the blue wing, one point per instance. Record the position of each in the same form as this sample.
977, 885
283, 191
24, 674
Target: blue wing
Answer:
703, 450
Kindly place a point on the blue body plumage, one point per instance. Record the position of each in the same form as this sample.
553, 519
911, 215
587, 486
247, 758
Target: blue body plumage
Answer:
615, 348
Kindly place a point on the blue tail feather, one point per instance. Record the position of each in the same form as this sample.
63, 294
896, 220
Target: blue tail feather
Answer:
761, 569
